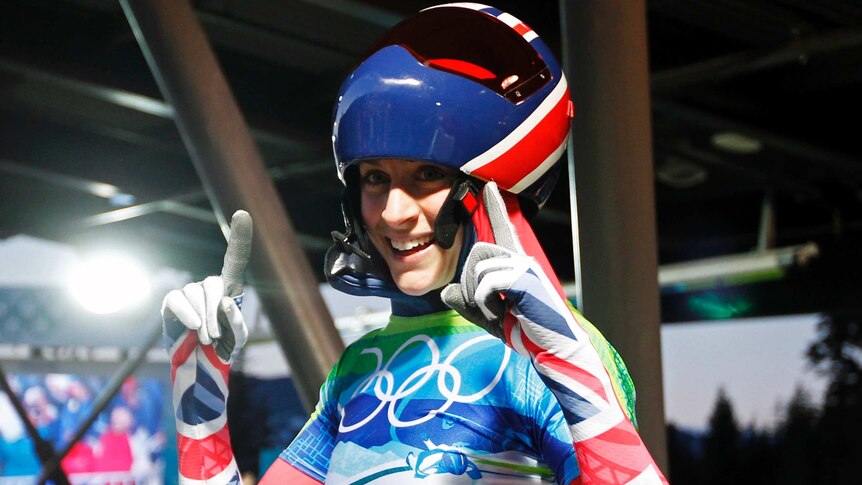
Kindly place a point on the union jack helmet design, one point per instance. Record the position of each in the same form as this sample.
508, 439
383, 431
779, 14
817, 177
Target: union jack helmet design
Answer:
462, 85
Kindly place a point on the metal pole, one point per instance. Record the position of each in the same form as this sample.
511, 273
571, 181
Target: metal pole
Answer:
101, 402
43, 448
605, 53
234, 177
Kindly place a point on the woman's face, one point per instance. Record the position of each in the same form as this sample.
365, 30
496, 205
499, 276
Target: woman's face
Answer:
400, 202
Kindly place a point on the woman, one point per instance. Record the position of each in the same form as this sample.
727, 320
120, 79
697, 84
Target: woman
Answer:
449, 107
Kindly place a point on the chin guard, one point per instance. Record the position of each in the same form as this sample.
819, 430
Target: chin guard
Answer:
459, 206
350, 241
342, 240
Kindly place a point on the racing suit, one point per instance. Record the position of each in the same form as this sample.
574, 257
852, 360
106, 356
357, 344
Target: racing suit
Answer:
435, 395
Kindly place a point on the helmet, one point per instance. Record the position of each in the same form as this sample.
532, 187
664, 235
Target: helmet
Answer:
462, 85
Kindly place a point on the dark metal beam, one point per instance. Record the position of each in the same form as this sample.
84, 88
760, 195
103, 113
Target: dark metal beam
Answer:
172, 205
832, 74
288, 139
256, 28
707, 158
360, 10
336, 28
750, 23
96, 122
234, 177
97, 189
166, 205
282, 50
734, 65
841, 13
849, 166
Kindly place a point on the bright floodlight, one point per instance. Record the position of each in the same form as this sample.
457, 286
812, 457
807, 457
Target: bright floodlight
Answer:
107, 284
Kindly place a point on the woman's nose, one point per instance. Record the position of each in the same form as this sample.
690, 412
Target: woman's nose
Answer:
401, 208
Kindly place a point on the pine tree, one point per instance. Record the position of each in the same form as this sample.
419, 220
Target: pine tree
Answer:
721, 446
797, 437
838, 353
685, 462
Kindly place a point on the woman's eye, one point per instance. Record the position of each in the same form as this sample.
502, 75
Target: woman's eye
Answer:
374, 177
429, 174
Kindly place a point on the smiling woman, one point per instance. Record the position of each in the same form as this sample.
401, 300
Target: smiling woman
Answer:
400, 204
453, 121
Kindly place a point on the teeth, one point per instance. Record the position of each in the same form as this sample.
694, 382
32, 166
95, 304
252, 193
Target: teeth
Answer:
408, 245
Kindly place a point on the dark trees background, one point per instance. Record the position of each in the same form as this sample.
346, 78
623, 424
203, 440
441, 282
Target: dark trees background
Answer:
809, 446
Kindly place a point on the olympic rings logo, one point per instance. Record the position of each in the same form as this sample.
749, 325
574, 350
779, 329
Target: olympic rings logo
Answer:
384, 386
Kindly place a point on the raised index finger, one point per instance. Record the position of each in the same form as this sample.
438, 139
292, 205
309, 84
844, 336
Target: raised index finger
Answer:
237, 254
501, 226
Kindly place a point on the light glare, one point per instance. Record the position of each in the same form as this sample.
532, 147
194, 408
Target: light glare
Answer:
110, 283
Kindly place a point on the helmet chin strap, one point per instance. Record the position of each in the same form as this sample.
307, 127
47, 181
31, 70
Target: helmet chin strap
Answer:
462, 202
353, 240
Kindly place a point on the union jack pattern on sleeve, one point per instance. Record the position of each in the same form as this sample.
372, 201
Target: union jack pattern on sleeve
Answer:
542, 326
200, 390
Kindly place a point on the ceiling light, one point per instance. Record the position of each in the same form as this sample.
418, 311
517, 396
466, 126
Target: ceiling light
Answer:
680, 174
729, 270
108, 283
734, 269
121, 199
736, 143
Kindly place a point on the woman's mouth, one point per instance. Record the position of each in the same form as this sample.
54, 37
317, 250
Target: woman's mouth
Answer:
410, 246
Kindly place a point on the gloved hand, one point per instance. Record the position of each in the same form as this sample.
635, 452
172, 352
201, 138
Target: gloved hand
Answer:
505, 291
204, 331
500, 281
211, 307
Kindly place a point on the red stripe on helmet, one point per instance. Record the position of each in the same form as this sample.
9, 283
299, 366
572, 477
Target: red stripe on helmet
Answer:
537, 145
522, 28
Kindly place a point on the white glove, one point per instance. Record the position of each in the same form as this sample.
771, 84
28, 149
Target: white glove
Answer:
211, 307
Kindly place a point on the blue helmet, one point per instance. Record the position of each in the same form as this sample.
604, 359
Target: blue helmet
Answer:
462, 85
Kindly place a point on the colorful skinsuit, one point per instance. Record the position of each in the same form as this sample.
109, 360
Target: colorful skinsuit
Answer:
435, 397
430, 398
